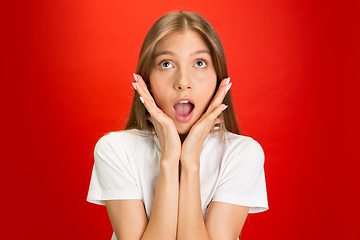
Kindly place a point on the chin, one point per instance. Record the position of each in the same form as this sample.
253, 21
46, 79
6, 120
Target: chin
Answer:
183, 129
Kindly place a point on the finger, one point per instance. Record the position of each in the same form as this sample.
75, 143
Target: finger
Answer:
225, 81
150, 105
153, 111
141, 87
213, 116
143, 92
156, 113
139, 80
205, 123
224, 87
217, 121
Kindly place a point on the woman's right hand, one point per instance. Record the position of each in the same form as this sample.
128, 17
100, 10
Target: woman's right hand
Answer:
165, 128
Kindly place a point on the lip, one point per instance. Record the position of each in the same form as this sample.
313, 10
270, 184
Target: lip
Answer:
188, 117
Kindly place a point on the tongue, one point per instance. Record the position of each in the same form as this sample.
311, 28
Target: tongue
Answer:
183, 109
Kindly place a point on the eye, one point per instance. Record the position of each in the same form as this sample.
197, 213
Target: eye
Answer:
166, 65
200, 63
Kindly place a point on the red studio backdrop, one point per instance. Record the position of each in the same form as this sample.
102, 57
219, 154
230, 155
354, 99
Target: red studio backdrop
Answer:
67, 71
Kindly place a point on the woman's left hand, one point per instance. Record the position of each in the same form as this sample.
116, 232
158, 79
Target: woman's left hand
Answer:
193, 144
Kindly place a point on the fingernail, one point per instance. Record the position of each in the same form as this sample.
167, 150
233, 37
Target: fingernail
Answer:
226, 106
227, 81
134, 85
134, 75
228, 87
142, 100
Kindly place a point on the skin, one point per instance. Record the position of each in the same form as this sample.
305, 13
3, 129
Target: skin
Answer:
185, 59
177, 212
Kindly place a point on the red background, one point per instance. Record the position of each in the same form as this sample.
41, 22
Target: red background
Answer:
66, 73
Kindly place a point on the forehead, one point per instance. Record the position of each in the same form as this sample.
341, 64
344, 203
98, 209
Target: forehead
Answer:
184, 41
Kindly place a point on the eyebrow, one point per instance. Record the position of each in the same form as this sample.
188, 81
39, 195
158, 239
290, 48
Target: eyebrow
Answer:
200, 52
192, 54
164, 53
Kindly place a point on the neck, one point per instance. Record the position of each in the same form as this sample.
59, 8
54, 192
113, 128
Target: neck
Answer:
182, 137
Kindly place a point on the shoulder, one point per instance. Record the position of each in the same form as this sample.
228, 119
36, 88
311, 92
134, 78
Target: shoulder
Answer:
122, 141
244, 149
129, 136
234, 142
242, 143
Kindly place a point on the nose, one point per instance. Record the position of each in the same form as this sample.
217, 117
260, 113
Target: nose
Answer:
183, 81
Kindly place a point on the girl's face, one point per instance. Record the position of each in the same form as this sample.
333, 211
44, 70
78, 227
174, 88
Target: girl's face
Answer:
183, 78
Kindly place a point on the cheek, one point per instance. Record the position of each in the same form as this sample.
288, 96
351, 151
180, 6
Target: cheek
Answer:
157, 82
208, 86
159, 95
208, 93
213, 82
155, 91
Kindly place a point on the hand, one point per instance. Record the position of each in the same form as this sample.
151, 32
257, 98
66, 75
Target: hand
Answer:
165, 128
192, 146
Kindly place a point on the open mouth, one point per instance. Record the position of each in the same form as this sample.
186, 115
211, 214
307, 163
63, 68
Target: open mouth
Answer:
184, 110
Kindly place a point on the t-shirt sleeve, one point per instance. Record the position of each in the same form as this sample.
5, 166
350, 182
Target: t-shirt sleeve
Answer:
112, 176
243, 178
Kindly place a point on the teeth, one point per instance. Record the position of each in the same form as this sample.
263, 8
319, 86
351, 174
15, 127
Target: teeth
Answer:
184, 101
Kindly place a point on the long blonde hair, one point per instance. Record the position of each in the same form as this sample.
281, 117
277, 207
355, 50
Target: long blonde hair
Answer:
171, 23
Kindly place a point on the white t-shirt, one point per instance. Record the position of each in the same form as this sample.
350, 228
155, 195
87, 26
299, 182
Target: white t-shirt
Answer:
127, 167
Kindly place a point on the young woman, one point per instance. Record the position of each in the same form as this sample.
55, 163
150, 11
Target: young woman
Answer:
180, 170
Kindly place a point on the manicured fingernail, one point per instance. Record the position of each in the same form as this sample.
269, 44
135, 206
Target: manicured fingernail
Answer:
134, 75
134, 85
142, 100
227, 81
226, 106
228, 87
